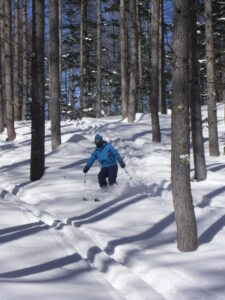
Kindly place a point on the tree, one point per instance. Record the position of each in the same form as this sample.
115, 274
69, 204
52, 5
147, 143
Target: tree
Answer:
99, 61
25, 63
2, 67
156, 137
8, 74
180, 162
54, 83
195, 101
16, 75
60, 49
123, 59
162, 95
140, 69
133, 63
83, 15
37, 92
211, 87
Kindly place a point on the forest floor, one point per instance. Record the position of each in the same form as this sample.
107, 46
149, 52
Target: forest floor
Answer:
54, 245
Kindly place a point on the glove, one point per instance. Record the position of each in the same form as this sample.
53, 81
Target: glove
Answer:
85, 169
122, 164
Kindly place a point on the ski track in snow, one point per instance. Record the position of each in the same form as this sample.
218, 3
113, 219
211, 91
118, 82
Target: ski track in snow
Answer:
73, 236
116, 274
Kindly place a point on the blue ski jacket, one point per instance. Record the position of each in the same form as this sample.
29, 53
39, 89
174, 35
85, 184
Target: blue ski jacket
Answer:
107, 156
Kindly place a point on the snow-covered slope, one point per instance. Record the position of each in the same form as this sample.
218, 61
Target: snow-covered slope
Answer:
56, 246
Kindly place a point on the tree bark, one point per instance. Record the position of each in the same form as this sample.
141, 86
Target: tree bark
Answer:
123, 59
99, 61
16, 87
25, 62
37, 92
180, 164
140, 71
82, 59
2, 67
156, 136
8, 74
195, 101
211, 86
60, 49
162, 94
54, 83
147, 37
133, 63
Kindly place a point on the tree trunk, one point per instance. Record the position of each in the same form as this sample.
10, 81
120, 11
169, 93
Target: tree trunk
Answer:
72, 98
2, 67
195, 102
99, 61
25, 63
54, 84
8, 74
162, 94
180, 164
147, 37
133, 63
16, 87
156, 137
60, 54
82, 58
123, 59
211, 86
37, 92
140, 72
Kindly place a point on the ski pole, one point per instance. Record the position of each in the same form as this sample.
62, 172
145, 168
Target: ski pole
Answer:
85, 179
128, 174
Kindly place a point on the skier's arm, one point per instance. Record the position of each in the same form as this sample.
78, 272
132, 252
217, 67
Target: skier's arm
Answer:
91, 160
117, 155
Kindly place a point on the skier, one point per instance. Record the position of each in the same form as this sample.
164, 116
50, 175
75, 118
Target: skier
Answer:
107, 156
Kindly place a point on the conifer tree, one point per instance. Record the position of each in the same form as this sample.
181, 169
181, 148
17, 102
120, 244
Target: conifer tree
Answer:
180, 161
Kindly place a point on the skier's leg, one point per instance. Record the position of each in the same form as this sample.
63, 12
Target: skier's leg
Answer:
102, 178
112, 175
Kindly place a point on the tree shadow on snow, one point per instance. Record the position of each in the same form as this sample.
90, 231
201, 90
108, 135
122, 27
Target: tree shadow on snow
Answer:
48, 266
148, 234
17, 232
211, 232
207, 199
217, 167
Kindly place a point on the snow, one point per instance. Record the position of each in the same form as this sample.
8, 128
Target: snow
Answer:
56, 246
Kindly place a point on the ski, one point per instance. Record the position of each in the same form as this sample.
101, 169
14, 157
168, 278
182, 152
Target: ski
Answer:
95, 199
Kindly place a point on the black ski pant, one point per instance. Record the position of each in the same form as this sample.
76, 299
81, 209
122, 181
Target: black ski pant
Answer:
110, 173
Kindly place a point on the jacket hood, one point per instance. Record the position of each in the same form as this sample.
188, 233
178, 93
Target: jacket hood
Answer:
98, 137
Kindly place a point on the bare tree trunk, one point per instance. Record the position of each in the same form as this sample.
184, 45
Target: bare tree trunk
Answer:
25, 63
99, 61
8, 74
140, 72
133, 63
38, 92
195, 102
60, 53
124, 89
181, 189
162, 94
2, 68
156, 137
211, 86
71, 80
147, 22
54, 84
16, 87
82, 4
